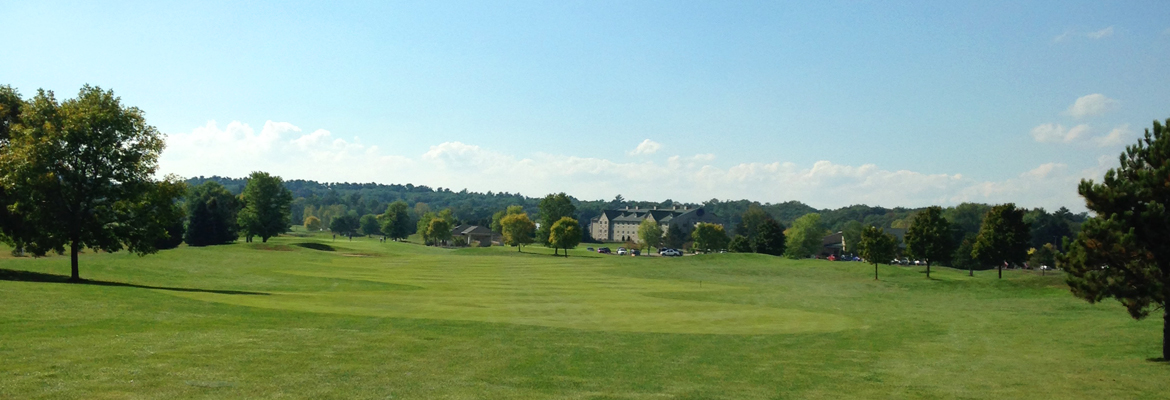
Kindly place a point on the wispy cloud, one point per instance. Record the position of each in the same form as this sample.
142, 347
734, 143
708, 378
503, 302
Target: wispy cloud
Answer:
285, 150
1091, 105
1118, 136
1056, 133
646, 147
1107, 32
1071, 34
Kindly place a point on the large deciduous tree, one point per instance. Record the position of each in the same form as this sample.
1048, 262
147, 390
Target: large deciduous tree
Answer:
877, 246
517, 229
266, 211
346, 225
1003, 238
749, 223
438, 230
552, 208
650, 233
769, 238
79, 173
1123, 252
396, 221
212, 215
805, 237
929, 237
675, 237
565, 234
369, 225
709, 238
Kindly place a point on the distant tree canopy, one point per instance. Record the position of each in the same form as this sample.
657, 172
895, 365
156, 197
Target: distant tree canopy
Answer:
565, 234
312, 224
805, 237
345, 225
675, 237
739, 244
769, 238
266, 211
212, 215
929, 237
1123, 252
369, 225
1003, 238
396, 223
709, 238
79, 174
877, 246
650, 233
553, 208
517, 230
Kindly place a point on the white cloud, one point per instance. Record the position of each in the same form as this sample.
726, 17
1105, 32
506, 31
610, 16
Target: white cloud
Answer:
646, 147
1107, 32
283, 149
1091, 105
1118, 136
1098, 34
1055, 133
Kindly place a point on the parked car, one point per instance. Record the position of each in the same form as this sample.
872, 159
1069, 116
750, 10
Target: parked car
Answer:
670, 253
635, 252
603, 250
621, 251
588, 249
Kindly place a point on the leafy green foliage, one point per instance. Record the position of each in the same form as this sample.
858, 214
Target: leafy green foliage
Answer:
1003, 238
675, 237
369, 225
345, 225
805, 237
267, 203
313, 224
749, 224
770, 238
552, 208
396, 221
877, 246
739, 244
709, 238
517, 230
212, 215
565, 234
929, 237
1123, 252
79, 174
650, 233
438, 231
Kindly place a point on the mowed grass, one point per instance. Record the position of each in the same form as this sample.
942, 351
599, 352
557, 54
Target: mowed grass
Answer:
308, 317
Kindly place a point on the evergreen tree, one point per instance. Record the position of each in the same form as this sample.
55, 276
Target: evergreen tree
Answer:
675, 238
1122, 252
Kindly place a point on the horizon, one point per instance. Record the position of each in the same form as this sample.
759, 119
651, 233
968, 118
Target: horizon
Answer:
831, 104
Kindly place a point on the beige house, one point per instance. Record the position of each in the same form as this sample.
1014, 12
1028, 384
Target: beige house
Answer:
622, 225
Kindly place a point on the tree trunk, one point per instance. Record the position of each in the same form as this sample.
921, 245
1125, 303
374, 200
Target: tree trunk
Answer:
927, 269
875, 271
74, 248
1165, 334
1000, 267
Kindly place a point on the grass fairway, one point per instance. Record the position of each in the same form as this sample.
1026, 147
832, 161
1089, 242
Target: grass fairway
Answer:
307, 317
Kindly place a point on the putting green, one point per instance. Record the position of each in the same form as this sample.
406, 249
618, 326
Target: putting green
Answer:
531, 292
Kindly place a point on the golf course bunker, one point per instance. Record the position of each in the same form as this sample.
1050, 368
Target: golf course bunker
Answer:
560, 298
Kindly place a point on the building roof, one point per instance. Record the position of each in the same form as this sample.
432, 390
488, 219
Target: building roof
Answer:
468, 230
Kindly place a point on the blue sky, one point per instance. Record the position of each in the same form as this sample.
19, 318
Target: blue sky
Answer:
830, 103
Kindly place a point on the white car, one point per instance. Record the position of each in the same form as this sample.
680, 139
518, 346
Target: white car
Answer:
621, 252
671, 253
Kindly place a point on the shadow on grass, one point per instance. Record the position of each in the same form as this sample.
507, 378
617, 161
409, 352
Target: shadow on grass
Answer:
28, 276
315, 246
1159, 360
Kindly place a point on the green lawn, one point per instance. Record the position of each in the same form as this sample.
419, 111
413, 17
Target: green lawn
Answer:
308, 317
